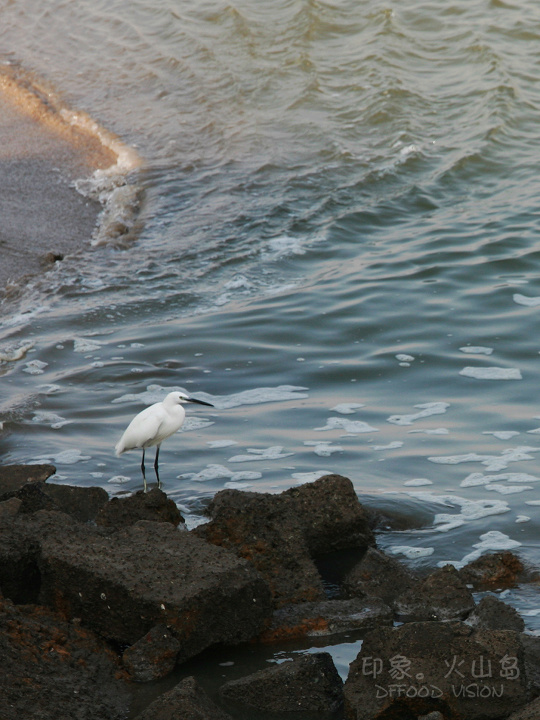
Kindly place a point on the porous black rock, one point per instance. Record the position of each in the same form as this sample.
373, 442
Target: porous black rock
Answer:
326, 617
309, 683
377, 574
445, 667
53, 668
186, 701
282, 535
153, 656
494, 614
440, 596
153, 505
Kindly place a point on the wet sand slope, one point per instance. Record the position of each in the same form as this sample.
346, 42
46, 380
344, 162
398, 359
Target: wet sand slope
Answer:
40, 156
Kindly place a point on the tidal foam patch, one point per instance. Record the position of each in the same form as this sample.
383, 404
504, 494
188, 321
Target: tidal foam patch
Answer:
491, 373
410, 552
425, 410
354, 427
489, 541
272, 453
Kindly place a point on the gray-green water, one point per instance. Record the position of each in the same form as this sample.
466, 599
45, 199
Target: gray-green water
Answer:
340, 251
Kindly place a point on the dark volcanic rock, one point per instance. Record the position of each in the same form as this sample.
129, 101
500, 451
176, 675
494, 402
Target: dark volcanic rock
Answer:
379, 575
51, 668
186, 701
309, 683
494, 614
440, 596
123, 584
83, 503
493, 572
424, 667
153, 505
326, 617
281, 534
9, 508
529, 712
14, 477
27, 483
153, 656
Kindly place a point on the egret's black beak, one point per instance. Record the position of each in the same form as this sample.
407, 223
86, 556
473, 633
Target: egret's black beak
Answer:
199, 402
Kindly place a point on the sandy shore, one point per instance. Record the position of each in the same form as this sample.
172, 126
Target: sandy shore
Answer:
40, 156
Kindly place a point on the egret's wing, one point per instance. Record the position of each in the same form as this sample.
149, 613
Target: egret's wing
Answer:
143, 430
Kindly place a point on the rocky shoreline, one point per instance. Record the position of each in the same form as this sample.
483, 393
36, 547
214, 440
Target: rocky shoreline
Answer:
98, 595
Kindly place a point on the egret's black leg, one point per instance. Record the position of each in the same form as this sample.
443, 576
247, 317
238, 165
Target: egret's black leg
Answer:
156, 466
143, 470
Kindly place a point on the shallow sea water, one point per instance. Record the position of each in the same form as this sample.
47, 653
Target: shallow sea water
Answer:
340, 252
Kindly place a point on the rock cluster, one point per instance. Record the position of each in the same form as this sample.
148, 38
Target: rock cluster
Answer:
99, 594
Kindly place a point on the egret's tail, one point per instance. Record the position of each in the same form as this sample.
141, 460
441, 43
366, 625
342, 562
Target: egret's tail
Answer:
119, 448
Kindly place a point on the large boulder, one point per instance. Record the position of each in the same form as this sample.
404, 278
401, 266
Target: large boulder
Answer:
14, 477
28, 484
153, 505
494, 571
379, 575
494, 614
309, 683
52, 668
281, 535
441, 596
186, 701
122, 584
447, 667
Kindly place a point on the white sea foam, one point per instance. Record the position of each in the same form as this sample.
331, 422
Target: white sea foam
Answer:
522, 519
501, 434
476, 350
195, 423
527, 301
391, 446
410, 552
347, 408
493, 463
65, 457
282, 393
35, 367
475, 479
491, 373
119, 480
48, 389
50, 418
404, 358
85, 345
217, 472
354, 427
283, 246
434, 431
470, 509
417, 482
491, 540
272, 453
323, 448
508, 489
221, 443
426, 410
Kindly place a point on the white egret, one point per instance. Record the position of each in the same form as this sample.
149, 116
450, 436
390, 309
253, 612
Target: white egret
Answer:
153, 425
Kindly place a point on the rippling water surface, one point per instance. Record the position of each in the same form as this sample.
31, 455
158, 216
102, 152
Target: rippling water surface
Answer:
340, 251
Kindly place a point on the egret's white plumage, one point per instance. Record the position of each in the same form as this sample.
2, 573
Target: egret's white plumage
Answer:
155, 424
